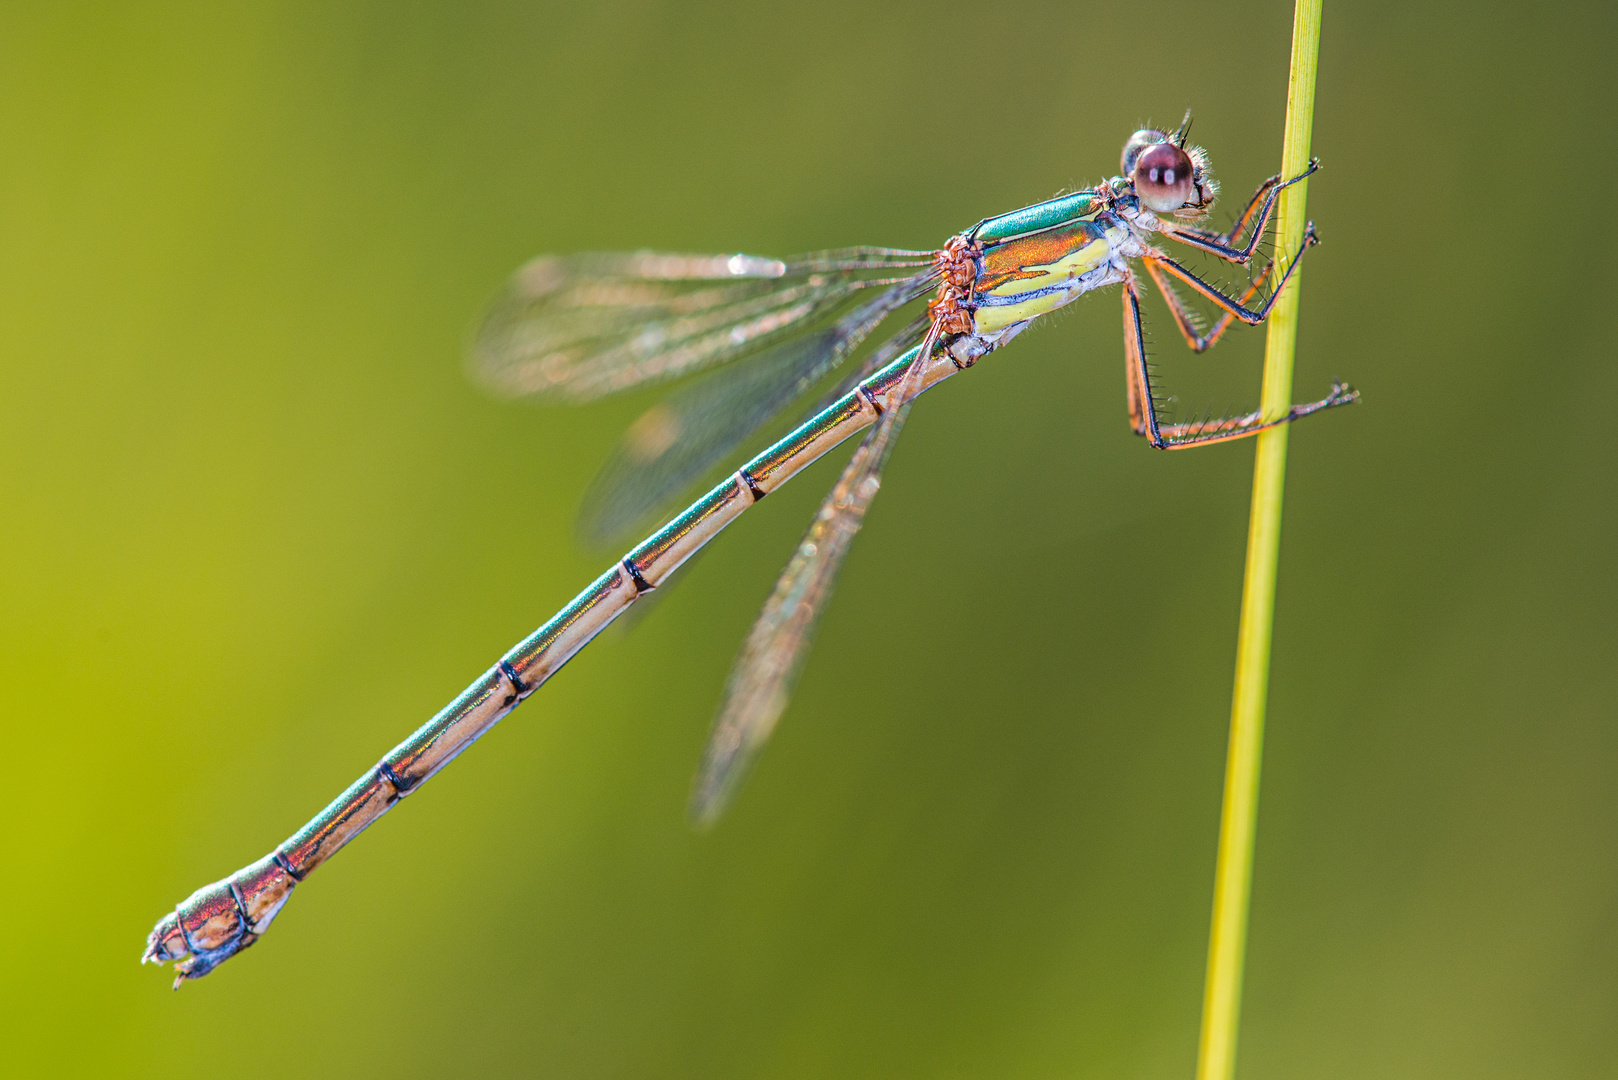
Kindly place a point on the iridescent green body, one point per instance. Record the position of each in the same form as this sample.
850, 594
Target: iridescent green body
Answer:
997, 278
1032, 261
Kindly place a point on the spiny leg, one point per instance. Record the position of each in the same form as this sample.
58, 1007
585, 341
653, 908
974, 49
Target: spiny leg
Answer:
1186, 319
1138, 376
1251, 316
1143, 401
1201, 433
1135, 362
1237, 227
1223, 244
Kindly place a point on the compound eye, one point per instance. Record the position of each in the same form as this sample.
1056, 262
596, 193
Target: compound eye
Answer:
1137, 142
1162, 176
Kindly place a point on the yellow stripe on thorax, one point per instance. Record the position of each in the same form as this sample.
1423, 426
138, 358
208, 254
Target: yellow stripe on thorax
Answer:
1033, 274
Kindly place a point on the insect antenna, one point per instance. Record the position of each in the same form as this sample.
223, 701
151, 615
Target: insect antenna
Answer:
1184, 133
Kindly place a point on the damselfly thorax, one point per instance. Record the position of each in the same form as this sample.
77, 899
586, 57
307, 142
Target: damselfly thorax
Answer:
577, 327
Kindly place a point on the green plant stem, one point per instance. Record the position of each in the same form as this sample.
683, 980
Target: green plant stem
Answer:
1233, 877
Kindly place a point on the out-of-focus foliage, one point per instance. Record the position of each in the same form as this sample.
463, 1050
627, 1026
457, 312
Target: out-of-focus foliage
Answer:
257, 526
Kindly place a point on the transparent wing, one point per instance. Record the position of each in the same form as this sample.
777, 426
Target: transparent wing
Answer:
880, 357
762, 679
678, 441
576, 327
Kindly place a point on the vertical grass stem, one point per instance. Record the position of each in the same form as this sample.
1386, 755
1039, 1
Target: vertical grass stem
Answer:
1233, 876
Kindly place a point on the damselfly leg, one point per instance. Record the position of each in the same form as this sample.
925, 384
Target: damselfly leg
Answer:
1189, 321
1223, 244
1144, 402
1228, 303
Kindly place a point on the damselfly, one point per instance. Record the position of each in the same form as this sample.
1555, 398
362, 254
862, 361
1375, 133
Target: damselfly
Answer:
578, 327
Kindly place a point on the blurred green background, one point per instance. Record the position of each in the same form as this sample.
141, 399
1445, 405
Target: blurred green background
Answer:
257, 526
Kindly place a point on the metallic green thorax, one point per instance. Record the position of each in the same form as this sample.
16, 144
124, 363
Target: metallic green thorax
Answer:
1045, 215
1034, 260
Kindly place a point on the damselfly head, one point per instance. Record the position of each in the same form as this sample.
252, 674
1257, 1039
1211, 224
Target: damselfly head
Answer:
1162, 177
1169, 177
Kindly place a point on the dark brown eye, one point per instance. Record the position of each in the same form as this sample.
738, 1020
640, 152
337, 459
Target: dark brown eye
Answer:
1162, 177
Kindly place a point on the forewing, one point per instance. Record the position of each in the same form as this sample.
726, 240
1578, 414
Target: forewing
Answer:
576, 327
678, 441
761, 682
